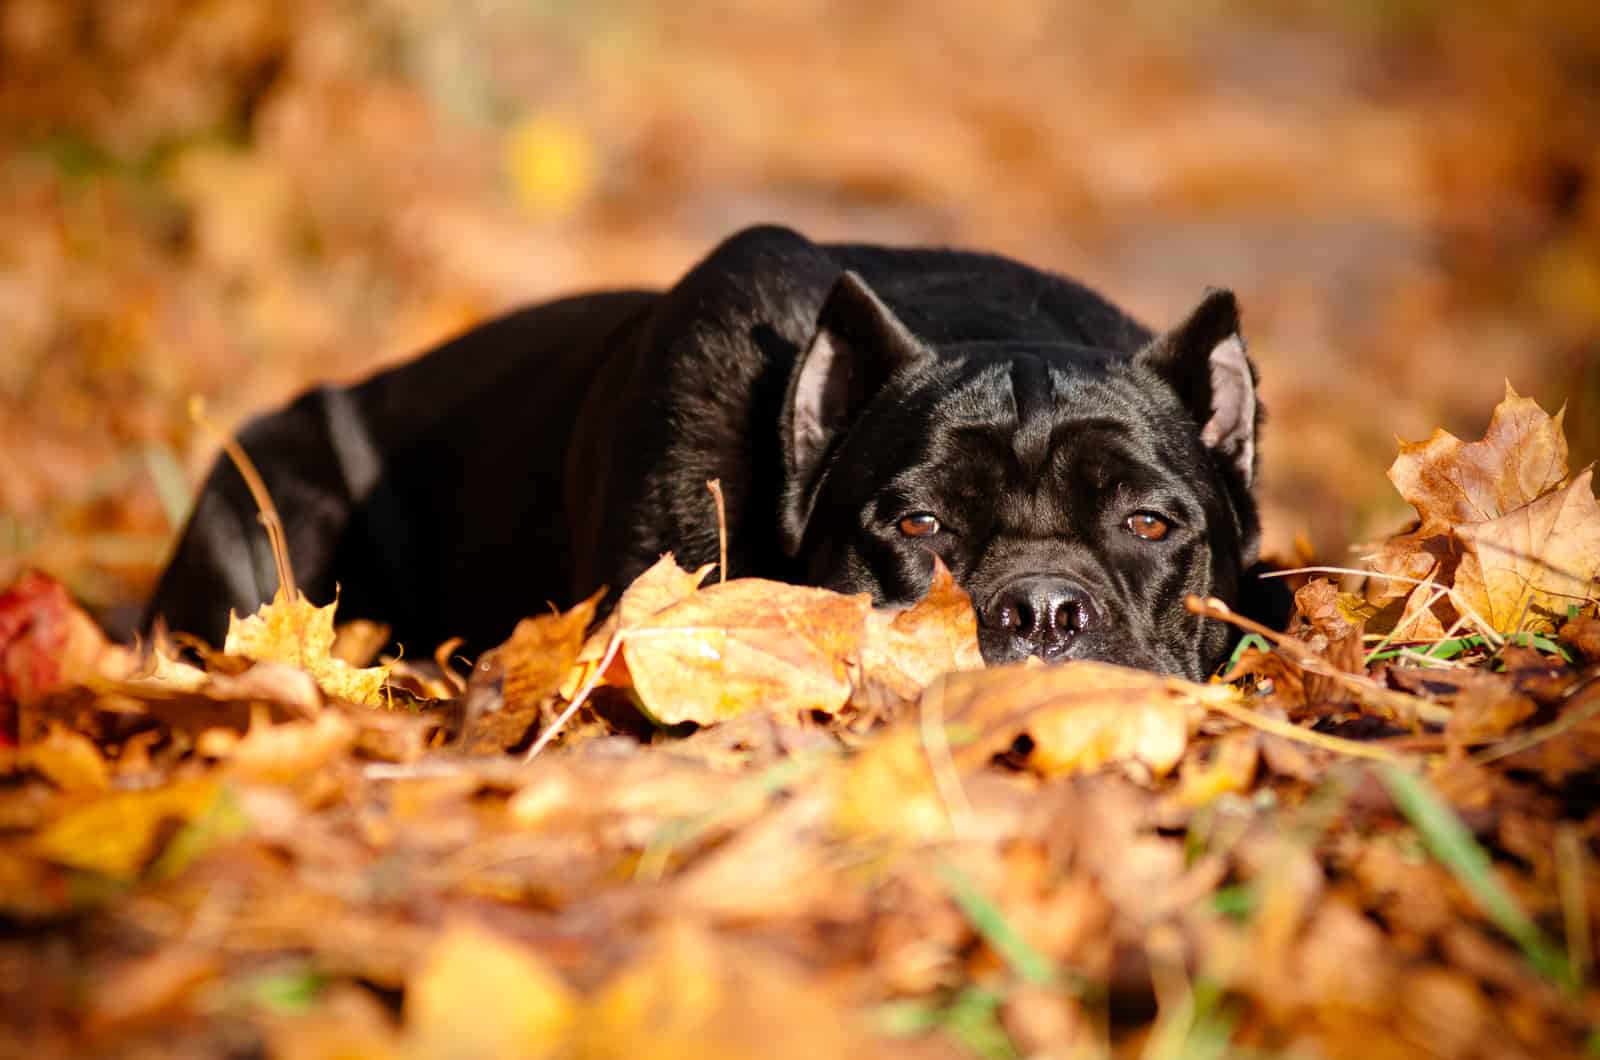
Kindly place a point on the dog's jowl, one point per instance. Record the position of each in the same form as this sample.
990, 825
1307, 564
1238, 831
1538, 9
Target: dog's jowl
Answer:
865, 408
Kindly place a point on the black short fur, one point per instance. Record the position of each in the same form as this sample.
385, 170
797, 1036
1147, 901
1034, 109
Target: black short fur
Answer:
834, 390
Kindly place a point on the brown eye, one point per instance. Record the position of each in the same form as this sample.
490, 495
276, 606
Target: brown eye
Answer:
1148, 525
920, 524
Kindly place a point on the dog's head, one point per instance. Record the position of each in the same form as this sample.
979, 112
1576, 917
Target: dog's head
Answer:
1077, 495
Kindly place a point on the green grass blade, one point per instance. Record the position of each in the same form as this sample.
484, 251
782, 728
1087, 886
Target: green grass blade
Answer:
987, 919
1451, 842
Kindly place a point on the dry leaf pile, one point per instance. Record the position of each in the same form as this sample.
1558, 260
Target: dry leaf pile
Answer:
749, 819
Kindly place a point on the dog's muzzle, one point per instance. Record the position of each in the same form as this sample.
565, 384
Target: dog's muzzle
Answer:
1038, 614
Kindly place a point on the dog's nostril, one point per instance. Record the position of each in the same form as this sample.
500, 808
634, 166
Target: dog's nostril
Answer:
1073, 616
1008, 617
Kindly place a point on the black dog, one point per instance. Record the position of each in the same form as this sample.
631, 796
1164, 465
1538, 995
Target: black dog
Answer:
862, 406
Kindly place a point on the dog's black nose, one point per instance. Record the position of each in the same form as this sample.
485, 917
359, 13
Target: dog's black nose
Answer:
1041, 614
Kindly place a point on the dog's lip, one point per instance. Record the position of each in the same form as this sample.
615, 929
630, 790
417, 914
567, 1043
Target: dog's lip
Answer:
1013, 648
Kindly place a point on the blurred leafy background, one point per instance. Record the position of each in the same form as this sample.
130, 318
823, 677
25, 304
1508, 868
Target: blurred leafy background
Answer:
233, 198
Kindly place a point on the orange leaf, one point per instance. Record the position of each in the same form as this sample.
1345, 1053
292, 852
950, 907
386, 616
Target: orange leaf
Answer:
541, 651
1523, 455
69, 759
905, 649
1080, 715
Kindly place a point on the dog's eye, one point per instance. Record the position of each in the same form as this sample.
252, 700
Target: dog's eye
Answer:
920, 524
1148, 525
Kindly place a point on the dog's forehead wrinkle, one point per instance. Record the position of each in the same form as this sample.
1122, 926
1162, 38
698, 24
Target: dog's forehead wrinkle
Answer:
1034, 395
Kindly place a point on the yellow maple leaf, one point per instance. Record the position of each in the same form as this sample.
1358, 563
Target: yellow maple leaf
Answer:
299, 634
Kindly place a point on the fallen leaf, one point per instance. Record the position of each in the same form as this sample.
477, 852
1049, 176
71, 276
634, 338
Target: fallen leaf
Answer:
887, 792
690, 998
1522, 456
151, 988
1321, 623
540, 652
296, 633
510, 683
118, 835
1527, 567
358, 642
1232, 768
1404, 560
70, 760
907, 648
1583, 634
1080, 715
477, 994
1501, 525
292, 751
663, 584
744, 645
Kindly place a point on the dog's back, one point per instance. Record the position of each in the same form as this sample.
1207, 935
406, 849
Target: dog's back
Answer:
429, 495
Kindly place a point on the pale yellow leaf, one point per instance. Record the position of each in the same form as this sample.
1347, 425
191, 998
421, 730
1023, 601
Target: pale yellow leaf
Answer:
299, 634
887, 791
659, 587
746, 645
478, 994
70, 760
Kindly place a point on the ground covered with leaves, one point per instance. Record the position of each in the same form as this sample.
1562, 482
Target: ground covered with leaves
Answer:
749, 819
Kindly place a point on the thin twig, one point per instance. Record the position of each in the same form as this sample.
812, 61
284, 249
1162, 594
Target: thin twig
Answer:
1300, 654
1533, 737
715, 486
1439, 592
943, 764
267, 511
1300, 734
589, 686
1485, 630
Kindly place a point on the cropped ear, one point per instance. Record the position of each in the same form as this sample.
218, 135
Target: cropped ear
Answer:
858, 344
1204, 360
